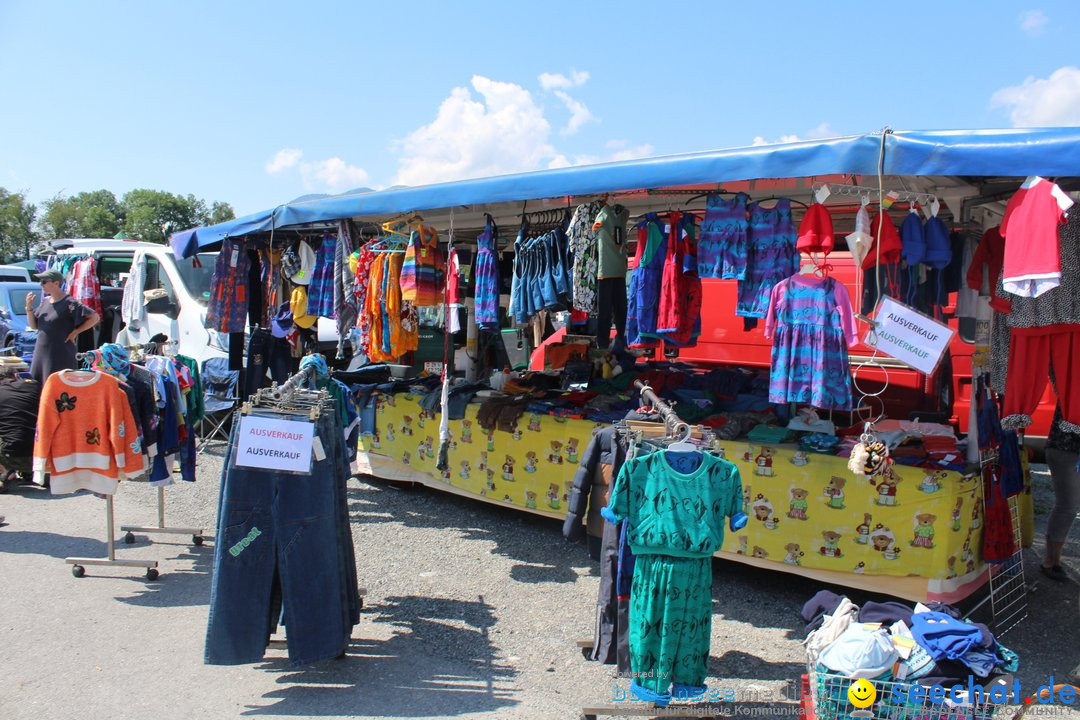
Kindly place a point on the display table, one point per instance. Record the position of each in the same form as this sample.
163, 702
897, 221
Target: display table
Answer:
916, 537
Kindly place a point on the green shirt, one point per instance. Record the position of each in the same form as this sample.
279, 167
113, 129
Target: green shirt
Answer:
610, 226
675, 513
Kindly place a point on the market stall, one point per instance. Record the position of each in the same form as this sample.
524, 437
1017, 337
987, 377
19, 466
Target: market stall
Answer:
766, 260
917, 535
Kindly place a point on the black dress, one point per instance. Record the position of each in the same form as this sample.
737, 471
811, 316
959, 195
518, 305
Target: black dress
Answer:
55, 321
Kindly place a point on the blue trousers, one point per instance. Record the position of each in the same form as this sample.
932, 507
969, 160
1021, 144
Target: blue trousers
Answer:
284, 536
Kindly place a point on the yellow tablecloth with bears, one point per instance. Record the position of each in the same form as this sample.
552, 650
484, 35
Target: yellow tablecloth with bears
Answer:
916, 535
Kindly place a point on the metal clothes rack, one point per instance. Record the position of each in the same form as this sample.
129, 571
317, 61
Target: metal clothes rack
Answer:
861, 191
78, 564
197, 533
675, 426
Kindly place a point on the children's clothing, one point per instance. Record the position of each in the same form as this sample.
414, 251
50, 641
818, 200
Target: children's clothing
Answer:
723, 249
422, 269
811, 324
1030, 228
583, 245
674, 525
644, 296
486, 277
321, 290
679, 319
772, 257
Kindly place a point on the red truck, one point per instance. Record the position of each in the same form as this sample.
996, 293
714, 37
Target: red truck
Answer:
947, 394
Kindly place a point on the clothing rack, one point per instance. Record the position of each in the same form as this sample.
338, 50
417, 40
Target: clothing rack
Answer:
78, 564
197, 534
860, 191
675, 425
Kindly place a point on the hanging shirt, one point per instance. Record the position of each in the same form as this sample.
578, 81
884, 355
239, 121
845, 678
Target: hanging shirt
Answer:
299, 304
1032, 257
321, 289
227, 310
989, 256
453, 292
676, 513
133, 304
486, 283
84, 285
86, 435
610, 229
422, 269
583, 246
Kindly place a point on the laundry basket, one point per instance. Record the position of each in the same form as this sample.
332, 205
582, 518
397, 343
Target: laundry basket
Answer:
829, 701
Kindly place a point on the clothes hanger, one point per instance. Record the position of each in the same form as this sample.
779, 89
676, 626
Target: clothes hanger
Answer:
778, 197
682, 444
712, 192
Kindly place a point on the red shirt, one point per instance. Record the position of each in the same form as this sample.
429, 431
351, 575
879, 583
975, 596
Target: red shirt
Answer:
1030, 228
991, 255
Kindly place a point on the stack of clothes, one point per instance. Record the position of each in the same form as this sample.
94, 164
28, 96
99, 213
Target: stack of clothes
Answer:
892, 642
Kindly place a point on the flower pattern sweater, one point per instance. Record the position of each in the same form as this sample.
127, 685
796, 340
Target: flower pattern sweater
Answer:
86, 437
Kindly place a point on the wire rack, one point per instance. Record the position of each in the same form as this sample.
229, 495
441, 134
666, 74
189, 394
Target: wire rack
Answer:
1008, 585
893, 701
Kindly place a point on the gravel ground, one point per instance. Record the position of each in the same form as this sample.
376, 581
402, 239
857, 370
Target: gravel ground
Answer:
472, 611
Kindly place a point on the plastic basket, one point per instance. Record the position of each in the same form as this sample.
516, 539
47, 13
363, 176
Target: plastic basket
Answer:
829, 695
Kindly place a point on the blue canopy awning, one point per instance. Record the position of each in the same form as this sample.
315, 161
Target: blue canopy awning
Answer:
1016, 152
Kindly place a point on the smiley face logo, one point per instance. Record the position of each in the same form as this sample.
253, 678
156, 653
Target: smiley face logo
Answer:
862, 693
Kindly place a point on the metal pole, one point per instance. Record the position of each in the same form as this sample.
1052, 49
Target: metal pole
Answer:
161, 507
110, 539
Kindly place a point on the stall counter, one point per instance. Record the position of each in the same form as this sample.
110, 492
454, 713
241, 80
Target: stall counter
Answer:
916, 535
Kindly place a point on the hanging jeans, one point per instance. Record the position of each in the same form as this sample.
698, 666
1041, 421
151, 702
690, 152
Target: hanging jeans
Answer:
266, 352
611, 297
287, 531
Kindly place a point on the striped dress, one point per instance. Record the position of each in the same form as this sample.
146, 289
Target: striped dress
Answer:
486, 273
422, 270
811, 325
770, 259
321, 290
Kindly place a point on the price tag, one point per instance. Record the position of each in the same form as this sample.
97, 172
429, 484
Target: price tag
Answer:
273, 444
317, 448
233, 257
822, 193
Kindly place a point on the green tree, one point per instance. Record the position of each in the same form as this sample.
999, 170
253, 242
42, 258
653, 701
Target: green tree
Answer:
16, 226
95, 214
219, 213
152, 215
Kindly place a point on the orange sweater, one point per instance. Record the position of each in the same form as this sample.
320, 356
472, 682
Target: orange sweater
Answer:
86, 434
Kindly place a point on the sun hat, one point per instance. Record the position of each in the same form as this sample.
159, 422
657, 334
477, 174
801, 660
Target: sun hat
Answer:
938, 246
889, 241
298, 264
913, 240
816, 231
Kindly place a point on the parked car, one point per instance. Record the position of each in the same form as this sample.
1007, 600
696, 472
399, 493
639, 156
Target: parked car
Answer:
14, 273
13, 303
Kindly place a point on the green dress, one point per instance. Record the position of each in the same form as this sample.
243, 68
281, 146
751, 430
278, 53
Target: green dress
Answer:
675, 524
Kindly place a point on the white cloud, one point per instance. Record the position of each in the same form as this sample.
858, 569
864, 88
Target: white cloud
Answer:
759, 140
1033, 22
579, 114
504, 131
283, 159
554, 81
1042, 101
333, 175
823, 130
621, 152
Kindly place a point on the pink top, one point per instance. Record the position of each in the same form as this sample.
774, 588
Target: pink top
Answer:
1030, 228
840, 297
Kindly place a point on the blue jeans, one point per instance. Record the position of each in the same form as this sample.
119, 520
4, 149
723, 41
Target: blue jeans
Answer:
287, 530
266, 352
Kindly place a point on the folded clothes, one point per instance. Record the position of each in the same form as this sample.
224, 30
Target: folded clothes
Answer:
769, 434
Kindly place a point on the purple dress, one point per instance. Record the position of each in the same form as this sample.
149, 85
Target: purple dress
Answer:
811, 325
771, 257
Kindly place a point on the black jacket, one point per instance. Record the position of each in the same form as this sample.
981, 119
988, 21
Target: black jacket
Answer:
603, 449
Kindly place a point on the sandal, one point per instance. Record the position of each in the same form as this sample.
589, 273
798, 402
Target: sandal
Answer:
1054, 572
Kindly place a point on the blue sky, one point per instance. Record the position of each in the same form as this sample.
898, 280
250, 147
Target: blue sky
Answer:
255, 103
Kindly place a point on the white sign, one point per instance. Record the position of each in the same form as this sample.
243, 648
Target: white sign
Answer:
275, 444
909, 336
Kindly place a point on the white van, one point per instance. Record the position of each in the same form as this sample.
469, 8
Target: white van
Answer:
14, 273
178, 312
